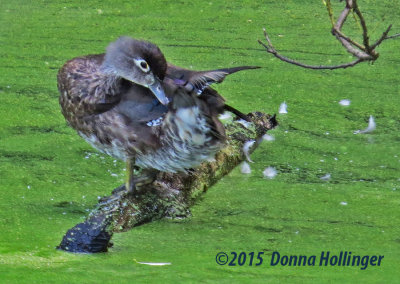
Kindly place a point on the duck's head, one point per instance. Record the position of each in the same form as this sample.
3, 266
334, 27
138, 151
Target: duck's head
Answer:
140, 62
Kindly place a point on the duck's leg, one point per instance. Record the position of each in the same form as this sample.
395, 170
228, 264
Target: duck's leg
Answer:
146, 176
133, 181
130, 180
129, 183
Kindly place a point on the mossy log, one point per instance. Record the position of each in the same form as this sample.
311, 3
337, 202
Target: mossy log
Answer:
170, 195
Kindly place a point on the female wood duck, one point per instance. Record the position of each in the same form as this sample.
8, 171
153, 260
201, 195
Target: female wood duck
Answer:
131, 104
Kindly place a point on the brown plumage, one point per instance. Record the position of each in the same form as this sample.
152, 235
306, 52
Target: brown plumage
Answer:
131, 104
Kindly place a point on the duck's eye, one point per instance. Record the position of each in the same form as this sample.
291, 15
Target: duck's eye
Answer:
142, 64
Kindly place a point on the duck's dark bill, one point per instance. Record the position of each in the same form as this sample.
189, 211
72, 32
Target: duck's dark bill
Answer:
158, 91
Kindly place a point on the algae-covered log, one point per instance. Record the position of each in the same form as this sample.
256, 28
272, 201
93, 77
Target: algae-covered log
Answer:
170, 195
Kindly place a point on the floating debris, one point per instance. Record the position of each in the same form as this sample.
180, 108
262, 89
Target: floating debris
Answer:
268, 137
270, 172
371, 126
344, 102
343, 203
246, 149
326, 177
245, 168
283, 108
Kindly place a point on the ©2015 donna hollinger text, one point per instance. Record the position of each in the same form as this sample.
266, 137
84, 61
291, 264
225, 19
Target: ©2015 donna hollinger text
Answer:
326, 258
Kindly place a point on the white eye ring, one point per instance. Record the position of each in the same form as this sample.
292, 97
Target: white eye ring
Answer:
142, 64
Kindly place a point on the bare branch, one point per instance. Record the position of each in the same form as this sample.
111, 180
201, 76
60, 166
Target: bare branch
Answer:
382, 38
342, 35
365, 52
343, 16
393, 36
267, 38
294, 62
330, 11
363, 25
349, 48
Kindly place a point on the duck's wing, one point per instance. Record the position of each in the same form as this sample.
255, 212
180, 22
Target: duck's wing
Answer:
195, 108
82, 88
139, 104
200, 80
108, 118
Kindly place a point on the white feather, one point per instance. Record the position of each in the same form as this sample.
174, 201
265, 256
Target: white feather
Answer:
283, 108
245, 168
246, 149
371, 126
155, 263
344, 102
268, 137
270, 172
225, 116
244, 123
326, 177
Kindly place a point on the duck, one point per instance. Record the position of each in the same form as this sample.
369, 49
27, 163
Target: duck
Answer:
131, 104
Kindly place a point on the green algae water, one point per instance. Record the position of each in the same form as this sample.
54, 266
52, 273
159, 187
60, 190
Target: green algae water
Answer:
335, 191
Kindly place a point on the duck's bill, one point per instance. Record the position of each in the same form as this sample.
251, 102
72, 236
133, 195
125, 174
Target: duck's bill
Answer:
158, 91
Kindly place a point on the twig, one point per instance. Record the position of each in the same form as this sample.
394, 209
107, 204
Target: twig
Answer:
393, 36
382, 38
342, 35
294, 62
330, 11
362, 52
363, 25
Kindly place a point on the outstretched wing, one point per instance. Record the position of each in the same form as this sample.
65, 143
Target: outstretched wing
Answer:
198, 81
